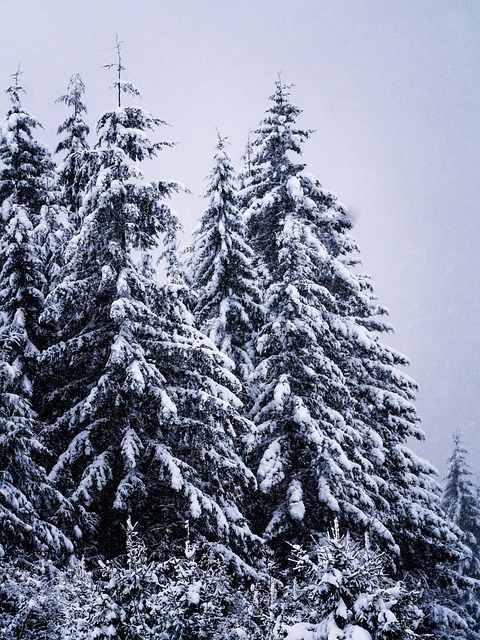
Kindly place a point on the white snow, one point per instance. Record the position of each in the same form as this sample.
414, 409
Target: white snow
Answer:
282, 390
270, 470
296, 506
193, 593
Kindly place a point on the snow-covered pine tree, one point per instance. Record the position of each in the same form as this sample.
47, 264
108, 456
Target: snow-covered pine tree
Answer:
309, 466
28, 167
382, 395
334, 412
140, 403
460, 500
222, 275
74, 171
29, 179
340, 591
27, 500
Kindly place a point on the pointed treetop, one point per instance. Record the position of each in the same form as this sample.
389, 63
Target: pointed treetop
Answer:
222, 141
14, 90
17, 74
75, 89
119, 84
277, 136
120, 67
459, 453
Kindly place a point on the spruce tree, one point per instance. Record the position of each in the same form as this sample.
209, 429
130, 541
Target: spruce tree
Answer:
384, 415
27, 501
146, 427
74, 170
308, 463
460, 500
334, 412
222, 274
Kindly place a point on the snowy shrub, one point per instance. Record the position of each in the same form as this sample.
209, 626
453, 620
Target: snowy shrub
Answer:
340, 591
30, 608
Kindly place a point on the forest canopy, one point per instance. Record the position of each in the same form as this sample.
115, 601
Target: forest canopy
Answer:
212, 443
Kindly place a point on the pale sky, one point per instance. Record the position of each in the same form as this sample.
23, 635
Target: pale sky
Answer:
392, 90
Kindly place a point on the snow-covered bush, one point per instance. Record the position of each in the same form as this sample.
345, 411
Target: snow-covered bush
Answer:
30, 608
341, 592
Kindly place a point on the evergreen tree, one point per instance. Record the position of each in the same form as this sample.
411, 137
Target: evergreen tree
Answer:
383, 413
334, 412
74, 171
310, 468
27, 500
29, 180
130, 438
222, 273
460, 500
28, 171
340, 591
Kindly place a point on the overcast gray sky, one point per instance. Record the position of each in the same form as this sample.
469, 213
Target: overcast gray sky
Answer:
391, 88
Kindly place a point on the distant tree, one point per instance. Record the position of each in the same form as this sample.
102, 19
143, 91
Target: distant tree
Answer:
460, 500
222, 274
74, 170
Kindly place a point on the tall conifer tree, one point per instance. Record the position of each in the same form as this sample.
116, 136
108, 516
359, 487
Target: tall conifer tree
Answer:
222, 273
74, 170
309, 465
334, 412
146, 426
27, 501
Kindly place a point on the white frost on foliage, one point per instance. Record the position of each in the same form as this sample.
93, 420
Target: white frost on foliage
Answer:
326, 630
79, 446
326, 496
302, 416
282, 390
135, 377
118, 350
165, 457
123, 288
94, 479
195, 509
294, 188
354, 632
108, 274
193, 594
168, 406
296, 506
305, 631
131, 446
333, 577
270, 469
